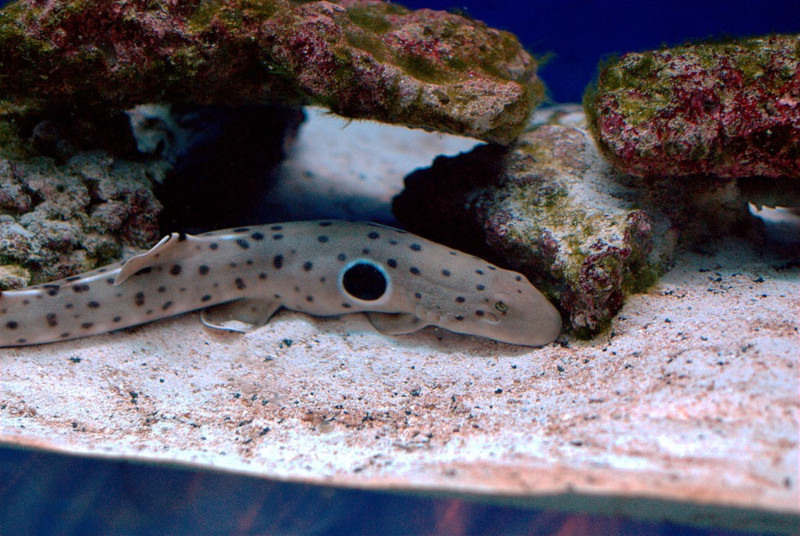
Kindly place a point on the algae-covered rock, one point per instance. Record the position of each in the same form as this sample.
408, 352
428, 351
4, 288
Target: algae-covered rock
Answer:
552, 208
729, 109
361, 58
61, 219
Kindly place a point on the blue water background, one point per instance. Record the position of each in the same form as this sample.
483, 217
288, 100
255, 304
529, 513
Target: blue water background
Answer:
43, 493
577, 34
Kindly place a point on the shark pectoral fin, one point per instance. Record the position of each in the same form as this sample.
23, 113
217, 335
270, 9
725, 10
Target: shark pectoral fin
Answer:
396, 323
242, 315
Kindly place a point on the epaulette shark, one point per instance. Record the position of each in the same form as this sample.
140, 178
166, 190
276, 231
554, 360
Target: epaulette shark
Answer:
241, 277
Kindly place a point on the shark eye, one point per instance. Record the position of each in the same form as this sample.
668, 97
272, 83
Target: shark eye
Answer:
364, 280
501, 307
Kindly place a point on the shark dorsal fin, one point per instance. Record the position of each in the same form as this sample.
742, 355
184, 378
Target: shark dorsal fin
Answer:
173, 247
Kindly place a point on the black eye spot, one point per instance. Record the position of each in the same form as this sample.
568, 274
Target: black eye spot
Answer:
213, 245
262, 275
415, 247
309, 299
276, 227
322, 279
392, 263
64, 335
277, 237
365, 251
93, 304
307, 266
459, 317
52, 320
461, 299
233, 264
417, 295
166, 306
372, 235
322, 239
414, 270
364, 281
110, 280
139, 299
325, 223
117, 319
22, 341
277, 262
242, 243
241, 229
203, 270
176, 269
12, 325
239, 283
162, 289
518, 278
80, 288
480, 287
479, 313
73, 278
257, 236
87, 325
181, 237
341, 257
393, 242
489, 266
205, 298
446, 273
479, 272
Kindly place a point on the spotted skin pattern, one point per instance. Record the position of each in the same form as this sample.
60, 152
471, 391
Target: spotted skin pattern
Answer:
241, 277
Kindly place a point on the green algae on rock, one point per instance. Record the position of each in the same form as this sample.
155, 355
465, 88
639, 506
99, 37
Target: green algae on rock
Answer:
729, 109
550, 207
361, 58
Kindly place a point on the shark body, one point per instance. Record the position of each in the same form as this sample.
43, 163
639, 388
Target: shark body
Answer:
242, 277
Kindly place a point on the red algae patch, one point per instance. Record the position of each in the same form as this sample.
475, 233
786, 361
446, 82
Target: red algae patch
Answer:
729, 109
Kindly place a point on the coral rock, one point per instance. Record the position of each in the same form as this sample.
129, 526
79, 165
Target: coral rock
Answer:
729, 109
361, 58
551, 207
62, 219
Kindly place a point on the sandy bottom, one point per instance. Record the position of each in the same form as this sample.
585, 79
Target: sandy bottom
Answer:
687, 409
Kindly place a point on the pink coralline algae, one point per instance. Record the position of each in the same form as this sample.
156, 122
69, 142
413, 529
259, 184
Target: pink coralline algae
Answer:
728, 109
361, 58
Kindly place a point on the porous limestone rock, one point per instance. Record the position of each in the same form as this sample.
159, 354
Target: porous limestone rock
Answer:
552, 208
61, 219
361, 58
729, 109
